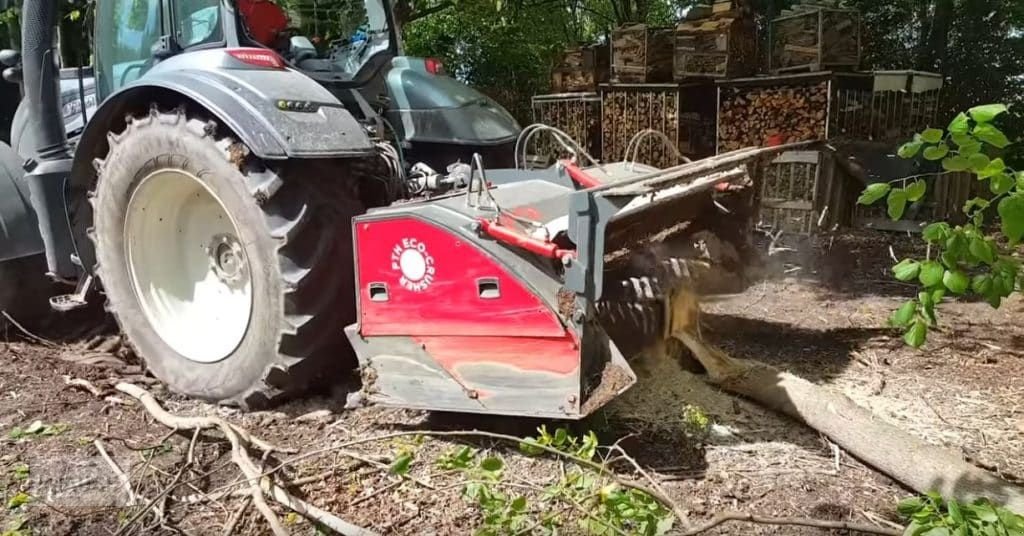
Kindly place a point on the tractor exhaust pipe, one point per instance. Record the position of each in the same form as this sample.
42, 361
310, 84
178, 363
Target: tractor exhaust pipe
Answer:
49, 171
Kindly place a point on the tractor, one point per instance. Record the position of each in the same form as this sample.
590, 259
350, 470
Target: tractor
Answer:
266, 215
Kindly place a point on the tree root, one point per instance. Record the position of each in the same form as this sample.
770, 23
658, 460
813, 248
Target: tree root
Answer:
903, 457
260, 485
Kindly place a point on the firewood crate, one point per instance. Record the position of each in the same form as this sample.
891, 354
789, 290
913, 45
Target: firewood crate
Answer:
581, 69
813, 38
682, 112
577, 114
642, 54
789, 189
884, 106
715, 48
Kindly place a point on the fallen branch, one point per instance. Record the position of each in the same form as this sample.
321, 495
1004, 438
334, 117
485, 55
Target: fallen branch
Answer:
260, 485
905, 458
660, 496
790, 521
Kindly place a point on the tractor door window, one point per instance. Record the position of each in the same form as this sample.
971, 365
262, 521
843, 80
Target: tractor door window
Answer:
126, 31
197, 22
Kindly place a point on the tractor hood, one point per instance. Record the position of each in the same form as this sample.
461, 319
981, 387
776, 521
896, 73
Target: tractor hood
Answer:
435, 108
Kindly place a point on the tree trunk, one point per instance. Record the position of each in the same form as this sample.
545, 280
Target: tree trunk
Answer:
938, 36
903, 457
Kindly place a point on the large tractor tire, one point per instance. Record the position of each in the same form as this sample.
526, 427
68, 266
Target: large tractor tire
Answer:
232, 280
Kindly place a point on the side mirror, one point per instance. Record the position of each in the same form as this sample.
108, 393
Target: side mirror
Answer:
10, 58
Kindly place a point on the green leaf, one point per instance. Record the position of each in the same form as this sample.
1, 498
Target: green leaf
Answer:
19, 499
978, 162
915, 336
954, 511
993, 168
909, 149
897, 204
970, 149
991, 135
936, 531
931, 273
982, 284
983, 250
916, 190
491, 464
873, 193
932, 135
401, 464
927, 307
906, 270
936, 152
908, 506
1011, 213
975, 204
519, 504
956, 163
959, 125
986, 112
1020, 180
901, 317
956, 281
962, 138
912, 528
561, 435
936, 232
1001, 183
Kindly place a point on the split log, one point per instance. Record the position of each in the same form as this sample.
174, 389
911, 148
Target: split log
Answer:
918, 465
642, 54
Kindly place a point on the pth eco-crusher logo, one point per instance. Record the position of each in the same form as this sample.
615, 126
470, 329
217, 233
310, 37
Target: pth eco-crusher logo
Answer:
411, 258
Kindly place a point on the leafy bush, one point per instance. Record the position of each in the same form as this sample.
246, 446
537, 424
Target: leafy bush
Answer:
962, 259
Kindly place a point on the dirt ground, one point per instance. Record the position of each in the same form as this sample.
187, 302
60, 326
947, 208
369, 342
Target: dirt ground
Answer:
819, 312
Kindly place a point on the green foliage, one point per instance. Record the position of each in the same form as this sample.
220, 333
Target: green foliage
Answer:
581, 447
963, 259
405, 454
37, 428
601, 505
457, 460
932, 516
20, 471
18, 500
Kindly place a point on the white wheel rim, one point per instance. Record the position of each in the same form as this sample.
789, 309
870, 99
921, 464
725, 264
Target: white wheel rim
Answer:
187, 266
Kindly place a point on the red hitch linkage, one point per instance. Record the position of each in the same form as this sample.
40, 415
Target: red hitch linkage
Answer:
545, 248
579, 176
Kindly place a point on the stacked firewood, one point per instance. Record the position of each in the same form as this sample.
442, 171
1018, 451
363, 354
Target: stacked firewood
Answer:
627, 111
716, 41
754, 116
642, 54
580, 69
814, 36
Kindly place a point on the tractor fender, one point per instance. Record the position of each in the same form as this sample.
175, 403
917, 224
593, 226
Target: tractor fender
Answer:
19, 232
246, 101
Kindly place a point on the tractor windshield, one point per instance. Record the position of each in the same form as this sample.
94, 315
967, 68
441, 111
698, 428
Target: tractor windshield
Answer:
345, 32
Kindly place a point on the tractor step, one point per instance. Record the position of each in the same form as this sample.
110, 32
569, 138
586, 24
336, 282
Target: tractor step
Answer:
75, 300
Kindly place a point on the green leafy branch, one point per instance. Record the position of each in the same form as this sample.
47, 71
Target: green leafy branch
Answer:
604, 506
961, 259
932, 516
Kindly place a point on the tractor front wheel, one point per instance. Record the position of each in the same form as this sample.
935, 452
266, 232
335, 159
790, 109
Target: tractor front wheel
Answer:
231, 280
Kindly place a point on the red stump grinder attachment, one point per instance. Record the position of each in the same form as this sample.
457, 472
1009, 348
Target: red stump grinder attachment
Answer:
524, 294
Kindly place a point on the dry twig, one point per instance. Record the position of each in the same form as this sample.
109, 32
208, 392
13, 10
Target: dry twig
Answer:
791, 521
260, 485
